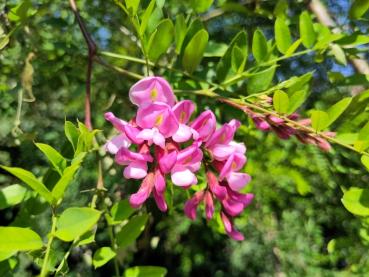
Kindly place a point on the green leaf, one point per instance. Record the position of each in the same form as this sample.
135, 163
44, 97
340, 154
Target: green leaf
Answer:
356, 201
74, 222
18, 239
233, 59
281, 8
64, 181
72, 133
302, 186
337, 109
160, 39
180, 28
201, 6
85, 139
282, 35
146, 16
319, 120
238, 59
30, 180
307, 32
280, 101
296, 100
195, 26
259, 46
131, 231
194, 51
353, 40
19, 12
87, 238
121, 211
55, 158
261, 80
132, 6
338, 54
365, 161
145, 271
12, 195
4, 255
102, 256
293, 48
359, 8
362, 141
215, 49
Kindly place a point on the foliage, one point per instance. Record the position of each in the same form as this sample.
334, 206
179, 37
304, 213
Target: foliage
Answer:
258, 61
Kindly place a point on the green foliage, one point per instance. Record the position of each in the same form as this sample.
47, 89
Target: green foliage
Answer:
141, 271
102, 256
130, 232
358, 8
74, 222
194, 51
13, 239
280, 101
319, 120
160, 39
12, 195
307, 32
356, 201
282, 35
259, 46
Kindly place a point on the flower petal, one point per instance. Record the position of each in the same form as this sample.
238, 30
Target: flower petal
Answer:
237, 181
135, 170
183, 178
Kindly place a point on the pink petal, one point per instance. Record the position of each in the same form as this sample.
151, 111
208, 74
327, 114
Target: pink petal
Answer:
151, 89
167, 161
135, 170
117, 122
183, 178
218, 190
138, 198
160, 200
124, 157
237, 181
113, 145
221, 152
209, 205
159, 139
191, 204
205, 125
159, 181
183, 110
184, 133
228, 226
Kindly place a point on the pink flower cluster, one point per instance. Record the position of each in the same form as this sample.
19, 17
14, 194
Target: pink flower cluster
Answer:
161, 140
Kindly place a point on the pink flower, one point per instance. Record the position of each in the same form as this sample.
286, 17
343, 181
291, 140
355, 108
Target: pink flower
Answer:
136, 163
157, 121
229, 228
183, 110
151, 89
192, 204
204, 125
188, 161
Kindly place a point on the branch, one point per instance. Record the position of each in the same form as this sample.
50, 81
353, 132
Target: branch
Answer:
92, 50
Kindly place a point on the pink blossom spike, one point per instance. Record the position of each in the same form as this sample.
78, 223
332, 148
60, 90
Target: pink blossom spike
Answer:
151, 89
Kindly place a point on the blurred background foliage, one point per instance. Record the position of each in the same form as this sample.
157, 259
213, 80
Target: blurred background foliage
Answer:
297, 225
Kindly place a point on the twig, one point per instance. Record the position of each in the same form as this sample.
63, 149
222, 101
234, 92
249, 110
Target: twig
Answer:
92, 50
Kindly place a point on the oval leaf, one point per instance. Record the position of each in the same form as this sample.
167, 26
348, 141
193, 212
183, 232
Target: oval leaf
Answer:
102, 256
18, 239
282, 35
55, 158
356, 201
131, 231
337, 109
74, 222
30, 180
194, 51
280, 101
12, 195
160, 39
319, 120
358, 8
307, 32
259, 46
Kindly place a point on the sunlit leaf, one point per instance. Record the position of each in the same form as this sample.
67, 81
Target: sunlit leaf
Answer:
356, 201
201, 6
337, 109
64, 181
180, 28
74, 222
307, 32
359, 8
282, 35
55, 158
18, 239
131, 231
319, 120
194, 51
146, 16
132, 6
102, 256
259, 46
30, 180
280, 101
12, 195
145, 271
160, 39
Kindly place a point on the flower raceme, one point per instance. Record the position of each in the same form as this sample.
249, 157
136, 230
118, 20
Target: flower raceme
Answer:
162, 141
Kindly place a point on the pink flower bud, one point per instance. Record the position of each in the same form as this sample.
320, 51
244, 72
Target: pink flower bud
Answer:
191, 204
209, 205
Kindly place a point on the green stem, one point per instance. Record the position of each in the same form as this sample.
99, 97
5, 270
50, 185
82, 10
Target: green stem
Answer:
114, 247
44, 269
